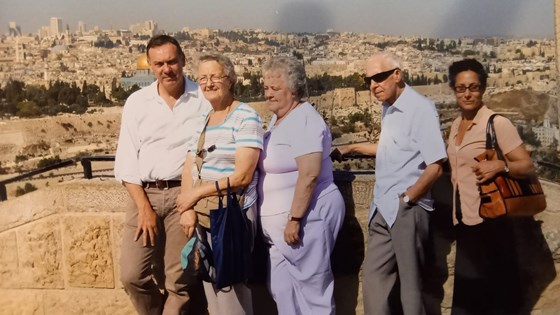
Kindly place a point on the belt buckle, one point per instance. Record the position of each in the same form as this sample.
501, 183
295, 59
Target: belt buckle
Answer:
161, 184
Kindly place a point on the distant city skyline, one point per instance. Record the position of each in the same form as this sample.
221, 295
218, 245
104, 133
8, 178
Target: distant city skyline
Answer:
435, 18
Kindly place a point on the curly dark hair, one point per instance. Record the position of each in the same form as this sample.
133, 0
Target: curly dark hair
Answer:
467, 65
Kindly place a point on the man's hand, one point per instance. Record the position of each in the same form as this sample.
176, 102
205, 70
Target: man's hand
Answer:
188, 222
147, 225
336, 155
291, 232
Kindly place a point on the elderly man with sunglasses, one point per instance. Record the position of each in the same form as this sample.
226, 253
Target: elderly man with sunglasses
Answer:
409, 157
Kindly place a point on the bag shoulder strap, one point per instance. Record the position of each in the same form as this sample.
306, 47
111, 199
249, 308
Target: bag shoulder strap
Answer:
239, 196
492, 140
218, 188
198, 159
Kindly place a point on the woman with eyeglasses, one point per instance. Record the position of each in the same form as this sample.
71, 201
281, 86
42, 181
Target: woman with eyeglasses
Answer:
301, 209
486, 275
230, 148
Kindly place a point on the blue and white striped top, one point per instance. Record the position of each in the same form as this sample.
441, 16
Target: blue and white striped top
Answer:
241, 128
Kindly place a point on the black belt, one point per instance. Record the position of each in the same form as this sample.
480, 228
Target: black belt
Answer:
162, 184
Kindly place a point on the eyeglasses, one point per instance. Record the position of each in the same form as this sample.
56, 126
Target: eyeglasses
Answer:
471, 88
379, 77
202, 152
213, 79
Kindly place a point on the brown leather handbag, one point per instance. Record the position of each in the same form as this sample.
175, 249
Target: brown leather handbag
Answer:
506, 196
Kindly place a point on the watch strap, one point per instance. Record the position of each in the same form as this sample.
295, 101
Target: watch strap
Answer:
292, 218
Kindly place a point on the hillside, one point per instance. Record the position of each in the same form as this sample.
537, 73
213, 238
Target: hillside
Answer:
530, 105
29, 140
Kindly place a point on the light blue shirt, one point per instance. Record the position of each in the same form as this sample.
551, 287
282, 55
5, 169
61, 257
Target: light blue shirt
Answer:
410, 140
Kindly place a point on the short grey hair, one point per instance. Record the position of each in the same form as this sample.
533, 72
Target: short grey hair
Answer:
391, 60
223, 61
293, 71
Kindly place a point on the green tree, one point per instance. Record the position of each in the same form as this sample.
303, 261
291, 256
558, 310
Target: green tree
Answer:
28, 109
14, 91
27, 188
529, 137
38, 94
48, 161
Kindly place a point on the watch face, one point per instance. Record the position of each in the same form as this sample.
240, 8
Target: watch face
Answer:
406, 199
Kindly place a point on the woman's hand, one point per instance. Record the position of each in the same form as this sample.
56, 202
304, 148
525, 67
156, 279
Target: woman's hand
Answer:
487, 170
187, 199
291, 232
188, 222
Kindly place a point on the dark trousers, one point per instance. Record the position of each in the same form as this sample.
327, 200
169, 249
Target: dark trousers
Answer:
487, 277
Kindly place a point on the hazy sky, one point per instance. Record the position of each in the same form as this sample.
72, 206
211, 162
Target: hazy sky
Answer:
437, 18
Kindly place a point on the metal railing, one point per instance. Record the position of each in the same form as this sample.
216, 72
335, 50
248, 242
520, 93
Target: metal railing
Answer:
88, 171
85, 161
3, 191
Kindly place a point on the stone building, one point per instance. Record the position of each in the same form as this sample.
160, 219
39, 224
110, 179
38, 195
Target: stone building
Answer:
142, 76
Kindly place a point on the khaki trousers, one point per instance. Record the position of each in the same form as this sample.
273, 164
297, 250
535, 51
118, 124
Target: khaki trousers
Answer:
152, 275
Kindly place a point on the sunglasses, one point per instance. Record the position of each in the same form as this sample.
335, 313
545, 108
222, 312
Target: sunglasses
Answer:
379, 77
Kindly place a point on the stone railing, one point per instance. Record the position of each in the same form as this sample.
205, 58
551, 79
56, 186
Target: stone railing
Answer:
59, 250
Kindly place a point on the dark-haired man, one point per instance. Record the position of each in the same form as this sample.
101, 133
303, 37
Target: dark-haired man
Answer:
158, 124
409, 156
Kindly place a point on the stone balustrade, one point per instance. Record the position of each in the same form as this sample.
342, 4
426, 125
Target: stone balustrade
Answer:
59, 250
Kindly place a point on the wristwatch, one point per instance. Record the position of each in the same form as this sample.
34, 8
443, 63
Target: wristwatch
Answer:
292, 218
406, 199
506, 169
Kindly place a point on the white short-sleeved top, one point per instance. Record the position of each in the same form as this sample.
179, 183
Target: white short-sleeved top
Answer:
302, 132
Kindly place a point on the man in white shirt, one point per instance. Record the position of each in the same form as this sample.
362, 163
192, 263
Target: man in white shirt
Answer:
159, 123
409, 157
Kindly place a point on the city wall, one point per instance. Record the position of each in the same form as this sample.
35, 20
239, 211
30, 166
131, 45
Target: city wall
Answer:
60, 246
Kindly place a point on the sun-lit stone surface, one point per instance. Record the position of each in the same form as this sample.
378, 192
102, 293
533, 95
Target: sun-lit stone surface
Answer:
88, 251
60, 247
40, 255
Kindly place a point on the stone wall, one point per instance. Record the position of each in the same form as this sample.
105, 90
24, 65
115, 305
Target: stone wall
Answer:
59, 250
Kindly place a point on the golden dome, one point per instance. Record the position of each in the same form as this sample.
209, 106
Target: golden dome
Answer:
142, 62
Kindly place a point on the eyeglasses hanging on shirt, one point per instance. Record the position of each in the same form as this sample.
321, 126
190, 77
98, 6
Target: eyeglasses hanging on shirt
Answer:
202, 152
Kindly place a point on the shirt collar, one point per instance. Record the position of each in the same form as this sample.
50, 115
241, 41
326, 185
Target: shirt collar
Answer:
400, 102
481, 116
191, 89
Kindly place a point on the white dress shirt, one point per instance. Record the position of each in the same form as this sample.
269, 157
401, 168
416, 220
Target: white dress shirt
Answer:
154, 138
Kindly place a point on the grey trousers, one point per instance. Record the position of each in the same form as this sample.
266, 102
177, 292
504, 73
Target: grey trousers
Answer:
395, 258
139, 264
